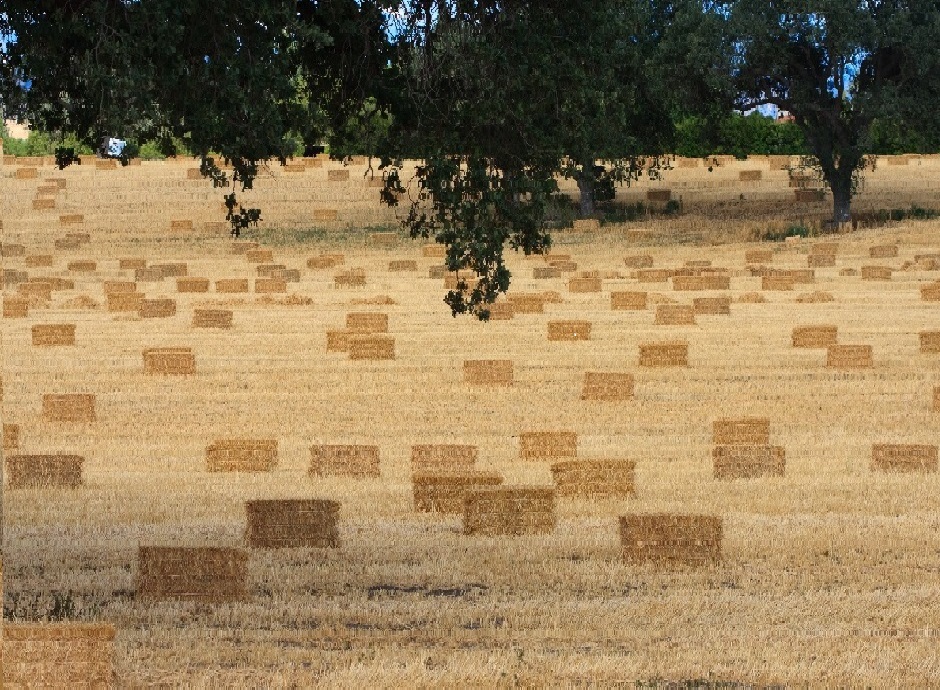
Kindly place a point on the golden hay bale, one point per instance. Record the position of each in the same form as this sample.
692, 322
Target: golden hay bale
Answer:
452, 282
527, 303
585, 285
212, 318
936, 399
181, 225
569, 330
434, 251
758, 256
883, 251
890, 457
628, 300
748, 461
231, 285
64, 655
509, 510
367, 322
337, 175
15, 307
698, 263
720, 306
304, 523
359, 461
821, 260
446, 492
607, 386
37, 289
443, 458
374, 347
338, 340
829, 248
595, 478
876, 272
377, 300
563, 266
815, 336
270, 285
849, 356
501, 311
659, 195
402, 265
114, 287
169, 360
58, 471
203, 574
105, 164
82, 266
291, 167
808, 195
192, 285
545, 272
241, 455
353, 278
80, 302
816, 297
673, 353
537, 445
750, 175
325, 261
38, 260
11, 436
54, 334
240, 248
259, 256
586, 224
848, 273
675, 315
176, 269
437, 272
488, 372
741, 431
654, 275
193, 174
704, 282
26, 174
68, 407
930, 342
777, 283
149, 275
638, 261
668, 539
383, 239
71, 218
156, 308
124, 301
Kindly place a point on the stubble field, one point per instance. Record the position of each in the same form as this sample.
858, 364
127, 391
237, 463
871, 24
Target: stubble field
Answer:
829, 571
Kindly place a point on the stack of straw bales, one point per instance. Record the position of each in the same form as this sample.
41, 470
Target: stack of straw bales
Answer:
743, 451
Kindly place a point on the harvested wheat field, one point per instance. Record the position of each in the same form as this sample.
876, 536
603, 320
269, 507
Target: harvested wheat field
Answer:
280, 461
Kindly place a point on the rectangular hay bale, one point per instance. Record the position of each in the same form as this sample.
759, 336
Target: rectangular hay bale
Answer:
712, 306
569, 330
883, 251
627, 300
668, 539
124, 301
608, 386
898, 457
703, 282
15, 307
849, 356
930, 342
53, 334
344, 460
270, 285
675, 315
527, 303
585, 285
673, 353
402, 265
68, 407
638, 261
876, 273
443, 457
60, 471
192, 285
537, 445
748, 461
203, 574
298, 523
821, 260
367, 322
509, 510
260, 256
156, 308
241, 455
374, 347
488, 372
447, 492
212, 318
231, 285
741, 431
169, 360
758, 256
61, 654
595, 478
11, 436
822, 335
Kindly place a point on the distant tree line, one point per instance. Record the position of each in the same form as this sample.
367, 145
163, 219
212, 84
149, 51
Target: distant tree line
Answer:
498, 98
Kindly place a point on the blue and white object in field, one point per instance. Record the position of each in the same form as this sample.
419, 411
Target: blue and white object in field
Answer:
112, 148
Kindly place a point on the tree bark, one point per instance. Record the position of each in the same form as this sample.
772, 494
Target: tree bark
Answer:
841, 184
586, 188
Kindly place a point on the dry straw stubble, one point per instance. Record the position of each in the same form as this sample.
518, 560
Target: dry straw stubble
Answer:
61, 654
607, 386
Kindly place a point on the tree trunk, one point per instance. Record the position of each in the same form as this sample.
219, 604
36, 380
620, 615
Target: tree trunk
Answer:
586, 188
841, 185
